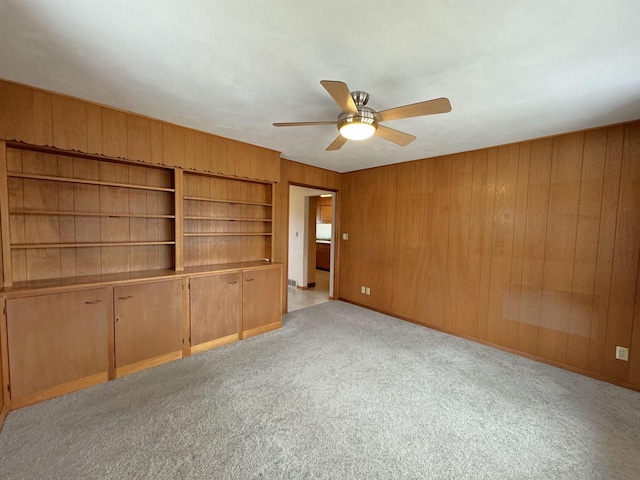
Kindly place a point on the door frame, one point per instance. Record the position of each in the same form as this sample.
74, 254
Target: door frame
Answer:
335, 229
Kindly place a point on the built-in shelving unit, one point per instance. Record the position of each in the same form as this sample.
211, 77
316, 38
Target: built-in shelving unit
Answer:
76, 215
71, 215
226, 220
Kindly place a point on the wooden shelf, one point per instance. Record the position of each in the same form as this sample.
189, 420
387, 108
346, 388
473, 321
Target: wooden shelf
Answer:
228, 234
228, 219
88, 182
25, 246
230, 202
88, 214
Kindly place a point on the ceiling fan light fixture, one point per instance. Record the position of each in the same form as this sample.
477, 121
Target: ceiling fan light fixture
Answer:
357, 130
357, 126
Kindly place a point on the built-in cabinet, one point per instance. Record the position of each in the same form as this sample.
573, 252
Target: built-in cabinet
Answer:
323, 256
228, 307
57, 343
259, 314
216, 310
148, 324
323, 210
111, 266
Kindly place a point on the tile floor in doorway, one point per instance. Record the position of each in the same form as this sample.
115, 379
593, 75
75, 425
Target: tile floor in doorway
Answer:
312, 296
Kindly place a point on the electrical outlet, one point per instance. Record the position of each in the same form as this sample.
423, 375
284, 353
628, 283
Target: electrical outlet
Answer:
363, 289
368, 291
345, 236
622, 353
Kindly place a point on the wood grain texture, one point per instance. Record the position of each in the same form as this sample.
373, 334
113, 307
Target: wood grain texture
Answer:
148, 320
44, 118
261, 293
305, 175
57, 390
5, 227
216, 307
5, 397
534, 247
79, 208
55, 339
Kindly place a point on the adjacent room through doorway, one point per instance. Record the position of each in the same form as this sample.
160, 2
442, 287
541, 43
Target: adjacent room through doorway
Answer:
311, 246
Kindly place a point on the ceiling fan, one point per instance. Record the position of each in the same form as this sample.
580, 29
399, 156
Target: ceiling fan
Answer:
357, 121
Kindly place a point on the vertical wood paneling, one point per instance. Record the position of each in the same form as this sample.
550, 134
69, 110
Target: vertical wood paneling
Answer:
138, 138
439, 239
202, 153
487, 243
302, 174
94, 128
514, 298
43, 118
69, 123
16, 112
533, 246
189, 148
219, 162
464, 295
157, 142
625, 256
114, 133
454, 244
503, 223
411, 216
564, 196
476, 230
588, 230
604, 258
173, 145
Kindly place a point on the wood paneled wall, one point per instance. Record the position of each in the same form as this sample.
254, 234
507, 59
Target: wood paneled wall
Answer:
42, 118
533, 246
298, 174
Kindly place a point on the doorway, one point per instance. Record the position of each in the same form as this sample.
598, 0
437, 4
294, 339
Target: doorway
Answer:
311, 246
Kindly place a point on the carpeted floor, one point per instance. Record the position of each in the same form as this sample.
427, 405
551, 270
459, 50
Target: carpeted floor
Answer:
339, 392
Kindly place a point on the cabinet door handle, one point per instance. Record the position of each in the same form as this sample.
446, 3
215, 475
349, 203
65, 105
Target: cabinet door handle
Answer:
231, 283
92, 303
125, 298
249, 280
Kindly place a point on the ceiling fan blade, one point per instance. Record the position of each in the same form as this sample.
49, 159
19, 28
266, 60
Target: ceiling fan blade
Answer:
395, 136
337, 143
302, 124
430, 107
341, 94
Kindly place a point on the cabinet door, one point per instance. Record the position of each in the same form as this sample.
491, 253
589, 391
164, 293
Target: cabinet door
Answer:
148, 324
57, 344
325, 214
216, 310
261, 301
323, 256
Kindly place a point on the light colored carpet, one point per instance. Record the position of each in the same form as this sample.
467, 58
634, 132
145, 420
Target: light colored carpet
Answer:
339, 392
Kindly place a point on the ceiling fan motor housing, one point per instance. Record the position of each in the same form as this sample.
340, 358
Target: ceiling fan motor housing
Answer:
364, 115
360, 98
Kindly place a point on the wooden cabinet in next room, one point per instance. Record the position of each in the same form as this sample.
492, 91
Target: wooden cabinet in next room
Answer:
216, 310
148, 324
57, 344
261, 294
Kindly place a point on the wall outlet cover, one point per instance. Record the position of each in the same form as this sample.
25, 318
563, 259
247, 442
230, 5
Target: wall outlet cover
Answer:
363, 289
622, 353
345, 236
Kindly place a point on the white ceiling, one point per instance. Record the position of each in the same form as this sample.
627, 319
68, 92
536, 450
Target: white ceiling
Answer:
512, 70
